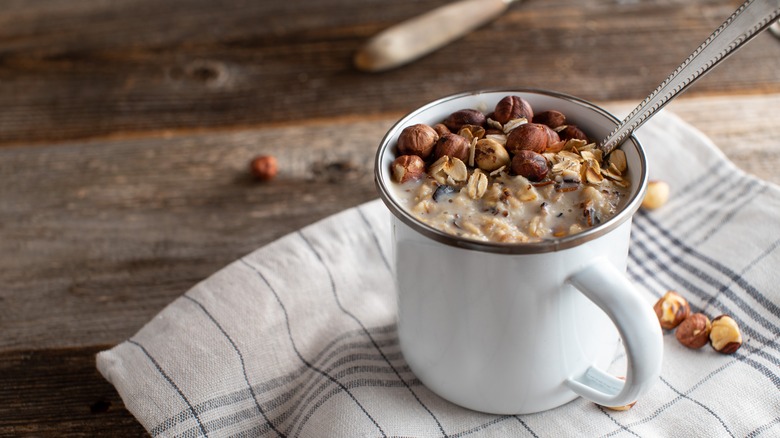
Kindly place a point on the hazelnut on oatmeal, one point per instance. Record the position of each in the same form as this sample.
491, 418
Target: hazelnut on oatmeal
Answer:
507, 175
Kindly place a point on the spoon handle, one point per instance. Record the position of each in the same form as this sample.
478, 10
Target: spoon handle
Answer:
745, 23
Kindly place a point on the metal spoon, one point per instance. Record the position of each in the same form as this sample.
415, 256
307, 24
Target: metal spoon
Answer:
745, 23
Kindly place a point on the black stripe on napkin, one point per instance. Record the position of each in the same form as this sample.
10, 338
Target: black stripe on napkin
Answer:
170, 381
300, 356
240, 359
337, 353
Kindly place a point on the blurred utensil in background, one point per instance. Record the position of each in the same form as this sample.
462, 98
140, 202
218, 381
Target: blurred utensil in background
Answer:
775, 29
418, 36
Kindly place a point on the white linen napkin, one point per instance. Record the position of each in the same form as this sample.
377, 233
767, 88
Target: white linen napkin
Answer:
298, 338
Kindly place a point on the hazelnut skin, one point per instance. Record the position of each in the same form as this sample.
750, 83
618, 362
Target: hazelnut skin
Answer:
572, 132
490, 155
417, 140
512, 107
531, 136
530, 165
671, 310
452, 145
441, 129
551, 118
456, 120
694, 331
407, 168
725, 336
264, 167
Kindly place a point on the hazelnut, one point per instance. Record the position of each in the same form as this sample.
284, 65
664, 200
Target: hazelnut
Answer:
671, 309
530, 165
725, 336
694, 331
407, 168
452, 145
572, 132
656, 196
417, 140
512, 107
471, 131
551, 118
531, 136
441, 129
264, 167
456, 120
490, 155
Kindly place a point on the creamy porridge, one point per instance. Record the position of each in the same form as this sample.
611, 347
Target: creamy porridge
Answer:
507, 176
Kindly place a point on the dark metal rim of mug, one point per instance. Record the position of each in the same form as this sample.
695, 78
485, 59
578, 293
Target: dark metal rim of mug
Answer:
381, 179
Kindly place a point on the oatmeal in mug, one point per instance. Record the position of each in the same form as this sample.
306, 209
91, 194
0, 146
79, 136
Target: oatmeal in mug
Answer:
507, 176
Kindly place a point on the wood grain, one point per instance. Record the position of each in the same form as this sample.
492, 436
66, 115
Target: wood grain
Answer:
128, 125
59, 392
95, 68
112, 231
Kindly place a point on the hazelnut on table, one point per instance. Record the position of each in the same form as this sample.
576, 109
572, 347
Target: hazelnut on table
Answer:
694, 331
621, 408
263, 167
725, 336
671, 310
657, 194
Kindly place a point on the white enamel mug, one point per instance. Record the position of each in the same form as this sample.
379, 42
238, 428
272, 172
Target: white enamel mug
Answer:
521, 328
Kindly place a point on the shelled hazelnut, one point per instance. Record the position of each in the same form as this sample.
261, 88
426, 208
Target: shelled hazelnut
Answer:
725, 336
456, 120
490, 155
264, 167
657, 195
441, 129
551, 118
530, 165
671, 310
407, 168
531, 137
418, 139
452, 145
511, 108
694, 331
572, 132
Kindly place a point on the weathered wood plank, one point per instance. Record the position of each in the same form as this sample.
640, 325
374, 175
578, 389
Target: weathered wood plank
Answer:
104, 234
59, 392
95, 68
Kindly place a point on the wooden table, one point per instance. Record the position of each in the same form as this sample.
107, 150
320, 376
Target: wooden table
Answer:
127, 127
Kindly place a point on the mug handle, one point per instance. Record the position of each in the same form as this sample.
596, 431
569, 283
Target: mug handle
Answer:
638, 326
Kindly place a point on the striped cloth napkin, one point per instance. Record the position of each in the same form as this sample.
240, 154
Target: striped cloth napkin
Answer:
299, 338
